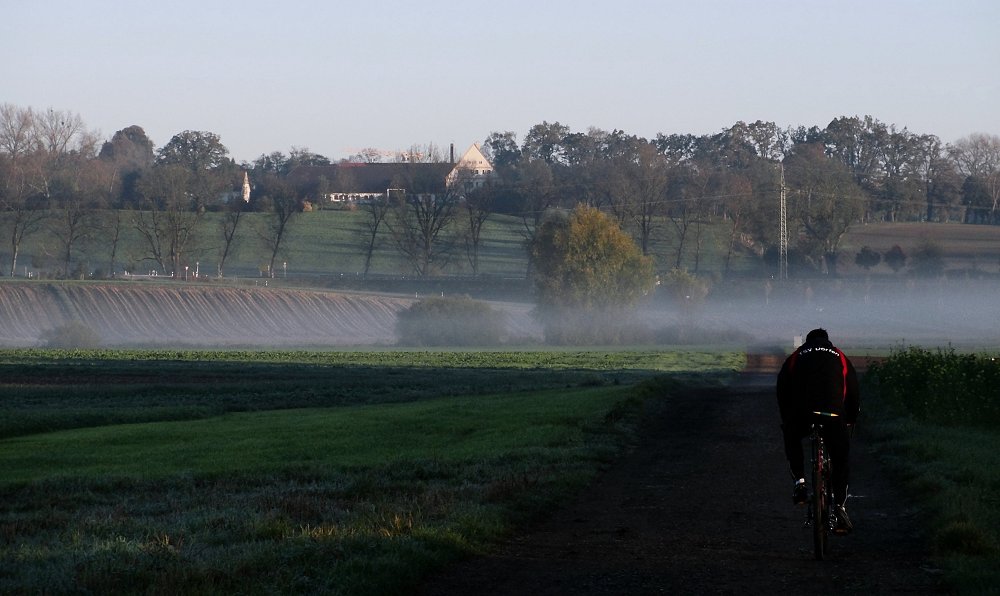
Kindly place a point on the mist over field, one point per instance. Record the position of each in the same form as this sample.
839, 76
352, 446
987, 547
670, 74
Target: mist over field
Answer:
859, 316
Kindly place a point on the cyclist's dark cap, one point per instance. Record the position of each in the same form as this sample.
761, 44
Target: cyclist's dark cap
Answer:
817, 334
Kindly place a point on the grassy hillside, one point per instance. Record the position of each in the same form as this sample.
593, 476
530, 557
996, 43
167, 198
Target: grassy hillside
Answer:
328, 247
318, 243
333, 243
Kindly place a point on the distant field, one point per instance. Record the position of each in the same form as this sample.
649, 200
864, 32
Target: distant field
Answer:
964, 246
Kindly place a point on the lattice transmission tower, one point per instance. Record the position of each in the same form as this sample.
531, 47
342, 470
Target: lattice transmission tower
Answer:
783, 230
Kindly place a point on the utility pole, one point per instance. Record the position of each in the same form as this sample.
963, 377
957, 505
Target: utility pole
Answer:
783, 231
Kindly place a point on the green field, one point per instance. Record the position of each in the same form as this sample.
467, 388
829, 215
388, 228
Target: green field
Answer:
54, 390
359, 472
252, 472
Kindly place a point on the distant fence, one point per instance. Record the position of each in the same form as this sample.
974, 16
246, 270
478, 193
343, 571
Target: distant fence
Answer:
476, 286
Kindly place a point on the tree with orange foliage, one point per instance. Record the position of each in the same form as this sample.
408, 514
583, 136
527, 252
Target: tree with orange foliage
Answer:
589, 275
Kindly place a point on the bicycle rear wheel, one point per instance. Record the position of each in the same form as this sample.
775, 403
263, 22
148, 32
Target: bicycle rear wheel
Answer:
819, 501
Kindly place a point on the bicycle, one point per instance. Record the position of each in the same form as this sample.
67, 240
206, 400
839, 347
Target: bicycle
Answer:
820, 514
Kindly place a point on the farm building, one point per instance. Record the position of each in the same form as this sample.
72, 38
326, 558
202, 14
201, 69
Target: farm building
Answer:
346, 183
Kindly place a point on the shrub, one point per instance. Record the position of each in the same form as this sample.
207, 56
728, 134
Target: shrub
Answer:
867, 258
895, 258
71, 335
942, 387
450, 322
928, 259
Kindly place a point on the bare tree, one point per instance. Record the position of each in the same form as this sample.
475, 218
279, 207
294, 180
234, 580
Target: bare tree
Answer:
651, 182
113, 230
429, 153
79, 188
282, 205
56, 130
478, 204
978, 157
419, 227
367, 155
22, 208
16, 149
169, 222
229, 223
738, 204
17, 131
376, 210
535, 191
72, 223
685, 206
615, 179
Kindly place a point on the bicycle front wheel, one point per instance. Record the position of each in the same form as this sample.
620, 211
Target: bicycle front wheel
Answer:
819, 502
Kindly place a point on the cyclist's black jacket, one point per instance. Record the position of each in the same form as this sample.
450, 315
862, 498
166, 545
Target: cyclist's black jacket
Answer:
818, 377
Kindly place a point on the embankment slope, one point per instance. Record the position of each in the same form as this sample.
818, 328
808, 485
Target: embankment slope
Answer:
168, 315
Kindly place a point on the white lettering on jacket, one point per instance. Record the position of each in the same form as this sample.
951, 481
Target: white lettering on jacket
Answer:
830, 350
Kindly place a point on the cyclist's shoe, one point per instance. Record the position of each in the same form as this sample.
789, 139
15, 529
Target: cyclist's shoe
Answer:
843, 525
800, 494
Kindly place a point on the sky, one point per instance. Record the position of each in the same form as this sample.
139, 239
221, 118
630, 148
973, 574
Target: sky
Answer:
334, 77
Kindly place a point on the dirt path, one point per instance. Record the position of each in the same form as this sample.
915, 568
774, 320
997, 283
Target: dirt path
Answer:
703, 506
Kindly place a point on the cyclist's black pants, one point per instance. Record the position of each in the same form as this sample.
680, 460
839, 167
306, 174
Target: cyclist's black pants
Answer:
838, 446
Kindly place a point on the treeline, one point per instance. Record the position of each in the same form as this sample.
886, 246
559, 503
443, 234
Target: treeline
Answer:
854, 170
56, 176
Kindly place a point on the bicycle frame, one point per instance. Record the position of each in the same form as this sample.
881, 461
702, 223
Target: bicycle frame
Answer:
820, 513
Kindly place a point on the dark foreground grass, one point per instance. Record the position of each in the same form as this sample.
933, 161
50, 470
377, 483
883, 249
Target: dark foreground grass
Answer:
350, 500
936, 417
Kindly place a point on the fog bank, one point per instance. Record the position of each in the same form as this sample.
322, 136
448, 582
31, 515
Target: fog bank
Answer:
962, 313
858, 316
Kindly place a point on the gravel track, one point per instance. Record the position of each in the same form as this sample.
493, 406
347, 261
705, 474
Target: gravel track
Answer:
703, 506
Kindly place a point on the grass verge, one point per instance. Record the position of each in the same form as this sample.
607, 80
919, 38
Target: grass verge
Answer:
941, 437
954, 473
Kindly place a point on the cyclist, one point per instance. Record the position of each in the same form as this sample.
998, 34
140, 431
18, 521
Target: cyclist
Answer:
818, 377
